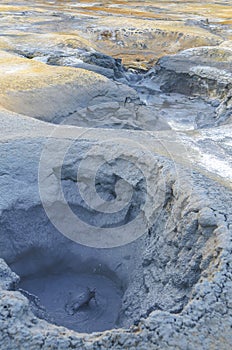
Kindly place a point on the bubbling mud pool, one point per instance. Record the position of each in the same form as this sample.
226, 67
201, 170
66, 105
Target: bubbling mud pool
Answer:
64, 296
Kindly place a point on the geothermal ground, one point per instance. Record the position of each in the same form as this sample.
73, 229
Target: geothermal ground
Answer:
115, 175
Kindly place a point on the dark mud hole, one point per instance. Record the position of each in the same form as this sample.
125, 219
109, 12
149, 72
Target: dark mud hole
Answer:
58, 292
56, 273
58, 287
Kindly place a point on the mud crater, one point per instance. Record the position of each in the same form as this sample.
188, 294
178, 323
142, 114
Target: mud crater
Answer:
156, 272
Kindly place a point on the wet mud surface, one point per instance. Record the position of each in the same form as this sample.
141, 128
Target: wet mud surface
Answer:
63, 297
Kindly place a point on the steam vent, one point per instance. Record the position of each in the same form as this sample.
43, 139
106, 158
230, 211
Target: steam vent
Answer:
115, 175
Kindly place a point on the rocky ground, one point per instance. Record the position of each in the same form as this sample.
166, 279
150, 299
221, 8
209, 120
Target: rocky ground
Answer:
116, 156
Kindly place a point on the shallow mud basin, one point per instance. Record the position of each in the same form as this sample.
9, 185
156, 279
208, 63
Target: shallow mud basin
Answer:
66, 299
